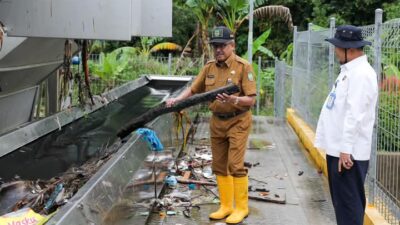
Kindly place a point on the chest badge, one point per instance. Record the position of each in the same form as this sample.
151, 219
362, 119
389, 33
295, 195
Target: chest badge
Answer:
250, 77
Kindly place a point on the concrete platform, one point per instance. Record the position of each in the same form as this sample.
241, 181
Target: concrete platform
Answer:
287, 170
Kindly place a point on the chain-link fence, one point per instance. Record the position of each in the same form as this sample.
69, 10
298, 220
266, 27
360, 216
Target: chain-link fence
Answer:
313, 72
387, 189
265, 87
282, 88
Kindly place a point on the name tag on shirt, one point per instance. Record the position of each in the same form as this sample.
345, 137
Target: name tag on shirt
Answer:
331, 100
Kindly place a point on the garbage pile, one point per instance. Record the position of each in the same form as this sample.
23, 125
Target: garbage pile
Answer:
189, 185
45, 196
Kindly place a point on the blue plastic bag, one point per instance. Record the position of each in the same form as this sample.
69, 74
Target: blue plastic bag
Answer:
151, 138
171, 181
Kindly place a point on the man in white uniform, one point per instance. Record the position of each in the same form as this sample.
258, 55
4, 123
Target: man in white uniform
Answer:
346, 123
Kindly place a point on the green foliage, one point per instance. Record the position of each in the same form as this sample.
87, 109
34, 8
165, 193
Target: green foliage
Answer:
97, 47
266, 75
287, 55
259, 3
187, 66
257, 45
391, 70
187, 13
127, 63
183, 23
124, 64
266, 51
391, 10
267, 87
278, 39
389, 117
201, 8
146, 43
114, 64
232, 12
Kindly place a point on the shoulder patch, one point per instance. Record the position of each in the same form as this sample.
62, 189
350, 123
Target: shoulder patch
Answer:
250, 76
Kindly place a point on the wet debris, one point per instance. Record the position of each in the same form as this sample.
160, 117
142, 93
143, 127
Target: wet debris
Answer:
171, 181
45, 196
261, 188
267, 197
207, 172
189, 185
196, 185
250, 165
261, 191
56, 196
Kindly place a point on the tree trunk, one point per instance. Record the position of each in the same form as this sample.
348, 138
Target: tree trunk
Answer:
162, 109
204, 43
178, 64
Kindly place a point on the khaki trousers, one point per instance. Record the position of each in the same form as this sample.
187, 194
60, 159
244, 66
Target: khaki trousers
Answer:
229, 144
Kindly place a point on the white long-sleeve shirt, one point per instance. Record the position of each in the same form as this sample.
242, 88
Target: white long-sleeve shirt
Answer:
346, 125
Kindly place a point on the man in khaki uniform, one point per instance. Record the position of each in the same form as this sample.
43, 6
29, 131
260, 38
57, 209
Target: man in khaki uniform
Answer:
230, 123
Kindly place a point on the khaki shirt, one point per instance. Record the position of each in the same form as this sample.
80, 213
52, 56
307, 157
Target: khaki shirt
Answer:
215, 75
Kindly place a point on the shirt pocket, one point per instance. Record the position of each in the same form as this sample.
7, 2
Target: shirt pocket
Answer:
341, 90
210, 82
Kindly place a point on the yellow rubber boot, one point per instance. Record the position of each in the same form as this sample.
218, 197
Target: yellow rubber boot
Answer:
241, 195
225, 188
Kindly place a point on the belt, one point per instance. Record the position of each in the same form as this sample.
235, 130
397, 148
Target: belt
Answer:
229, 115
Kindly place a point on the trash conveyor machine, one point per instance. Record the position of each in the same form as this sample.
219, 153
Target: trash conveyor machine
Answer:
73, 143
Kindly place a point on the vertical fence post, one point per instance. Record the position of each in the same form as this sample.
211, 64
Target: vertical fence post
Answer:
308, 79
250, 37
377, 67
258, 85
294, 67
282, 91
332, 24
169, 63
276, 86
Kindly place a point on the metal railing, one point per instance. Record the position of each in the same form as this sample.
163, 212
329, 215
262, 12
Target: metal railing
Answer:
313, 71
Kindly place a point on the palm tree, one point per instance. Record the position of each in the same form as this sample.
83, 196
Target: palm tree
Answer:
234, 12
274, 11
203, 9
146, 44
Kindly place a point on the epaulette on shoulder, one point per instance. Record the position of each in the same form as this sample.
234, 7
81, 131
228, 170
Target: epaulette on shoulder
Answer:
210, 61
241, 60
